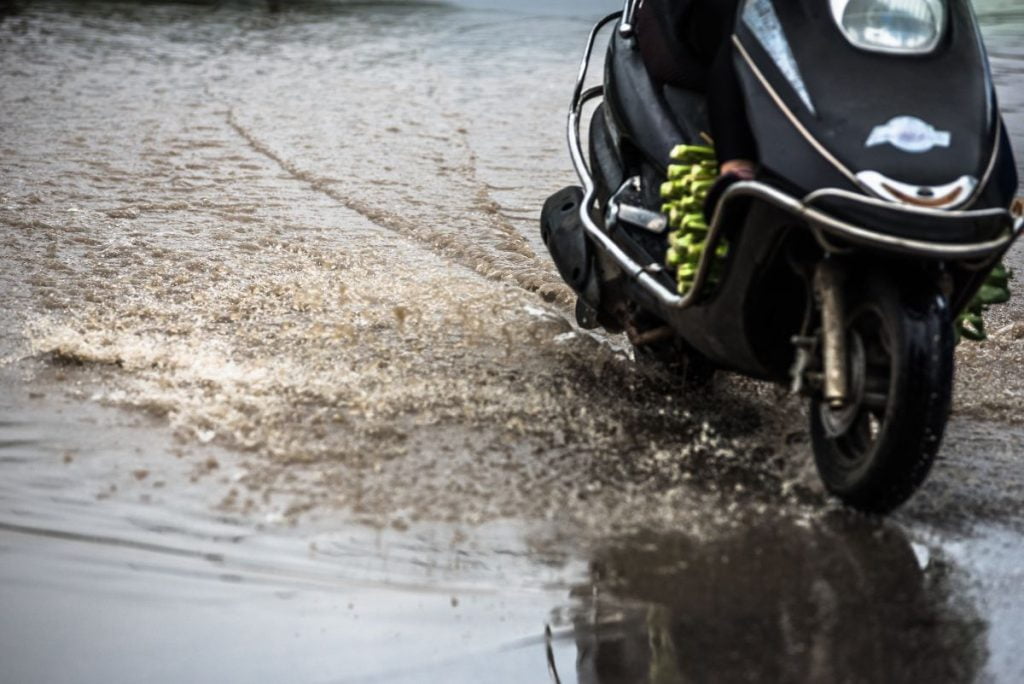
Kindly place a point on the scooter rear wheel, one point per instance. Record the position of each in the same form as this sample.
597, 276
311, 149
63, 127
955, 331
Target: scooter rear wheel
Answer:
676, 360
876, 451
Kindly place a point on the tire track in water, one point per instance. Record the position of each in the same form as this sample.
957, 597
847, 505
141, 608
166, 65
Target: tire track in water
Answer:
515, 263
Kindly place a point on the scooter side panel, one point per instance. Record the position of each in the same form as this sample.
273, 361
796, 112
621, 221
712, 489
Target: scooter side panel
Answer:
861, 101
747, 323
783, 151
605, 161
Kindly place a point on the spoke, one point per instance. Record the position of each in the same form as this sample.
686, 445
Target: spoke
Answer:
875, 400
883, 337
857, 439
874, 426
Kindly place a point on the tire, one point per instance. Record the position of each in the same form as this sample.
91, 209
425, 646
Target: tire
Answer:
876, 452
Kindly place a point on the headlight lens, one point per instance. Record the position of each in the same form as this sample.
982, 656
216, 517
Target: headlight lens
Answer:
898, 26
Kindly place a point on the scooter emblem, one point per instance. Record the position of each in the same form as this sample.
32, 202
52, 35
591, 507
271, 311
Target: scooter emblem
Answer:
909, 134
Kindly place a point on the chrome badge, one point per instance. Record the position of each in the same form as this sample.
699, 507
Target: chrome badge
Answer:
909, 134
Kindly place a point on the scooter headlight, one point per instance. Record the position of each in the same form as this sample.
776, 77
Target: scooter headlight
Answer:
894, 26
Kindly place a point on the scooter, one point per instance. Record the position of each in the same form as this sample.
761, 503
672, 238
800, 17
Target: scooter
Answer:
881, 203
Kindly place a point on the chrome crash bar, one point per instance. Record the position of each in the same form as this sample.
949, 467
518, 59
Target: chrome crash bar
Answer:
819, 222
627, 27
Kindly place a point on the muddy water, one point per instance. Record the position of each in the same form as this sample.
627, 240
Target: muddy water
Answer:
289, 389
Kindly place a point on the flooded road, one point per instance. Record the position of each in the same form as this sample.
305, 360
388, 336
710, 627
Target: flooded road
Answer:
289, 389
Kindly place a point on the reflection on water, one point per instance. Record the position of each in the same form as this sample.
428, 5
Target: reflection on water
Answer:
843, 600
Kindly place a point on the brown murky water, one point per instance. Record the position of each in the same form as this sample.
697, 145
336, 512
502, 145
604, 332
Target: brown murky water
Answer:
290, 392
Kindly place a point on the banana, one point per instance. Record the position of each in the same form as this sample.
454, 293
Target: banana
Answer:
691, 154
690, 177
970, 324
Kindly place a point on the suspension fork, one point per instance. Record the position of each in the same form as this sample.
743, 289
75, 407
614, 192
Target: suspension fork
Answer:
829, 282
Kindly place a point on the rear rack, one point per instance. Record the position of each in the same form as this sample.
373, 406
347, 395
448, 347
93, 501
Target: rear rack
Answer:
821, 224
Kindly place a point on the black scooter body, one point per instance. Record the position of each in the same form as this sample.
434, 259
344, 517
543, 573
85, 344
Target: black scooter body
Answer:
727, 327
951, 88
881, 204
853, 90
641, 121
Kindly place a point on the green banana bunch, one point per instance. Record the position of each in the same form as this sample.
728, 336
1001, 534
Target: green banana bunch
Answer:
995, 290
689, 180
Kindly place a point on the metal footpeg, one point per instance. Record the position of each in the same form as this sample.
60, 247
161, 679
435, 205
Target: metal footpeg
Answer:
642, 218
619, 211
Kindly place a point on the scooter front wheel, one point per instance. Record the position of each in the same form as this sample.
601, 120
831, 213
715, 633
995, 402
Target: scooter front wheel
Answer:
876, 450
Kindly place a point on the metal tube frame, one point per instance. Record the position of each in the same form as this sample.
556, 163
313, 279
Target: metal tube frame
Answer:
817, 221
626, 28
